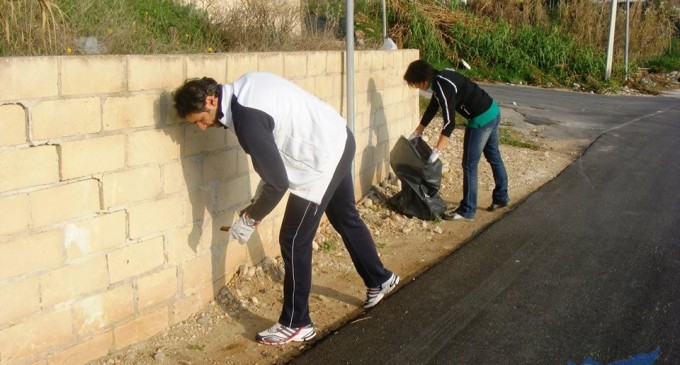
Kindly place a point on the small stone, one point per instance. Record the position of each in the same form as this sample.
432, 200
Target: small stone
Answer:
203, 320
159, 356
251, 271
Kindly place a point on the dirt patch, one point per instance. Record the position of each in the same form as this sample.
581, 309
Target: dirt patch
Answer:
224, 332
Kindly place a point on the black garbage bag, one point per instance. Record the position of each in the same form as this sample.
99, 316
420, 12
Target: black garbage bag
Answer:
420, 181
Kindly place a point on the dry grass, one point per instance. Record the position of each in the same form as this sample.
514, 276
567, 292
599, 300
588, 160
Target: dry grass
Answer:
256, 25
32, 26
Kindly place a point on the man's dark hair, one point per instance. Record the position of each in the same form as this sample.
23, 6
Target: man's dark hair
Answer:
190, 97
419, 71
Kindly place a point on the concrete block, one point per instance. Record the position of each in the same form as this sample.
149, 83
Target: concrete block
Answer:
135, 259
213, 66
100, 311
93, 74
13, 121
65, 117
294, 65
73, 280
362, 61
197, 141
306, 84
15, 214
64, 202
234, 194
270, 62
18, 257
156, 217
335, 63
93, 235
182, 176
316, 63
198, 272
201, 204
128, 186
155, 72
377, 59
239, 64
18, 167
92, 156
185, 243
184, 308
28, 77
143, 327
138, 110
220, 167
154, 146
86, 350
19, 299
323, 87
35, 335
157, 287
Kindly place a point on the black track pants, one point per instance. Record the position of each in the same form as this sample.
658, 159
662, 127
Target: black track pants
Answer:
300, 223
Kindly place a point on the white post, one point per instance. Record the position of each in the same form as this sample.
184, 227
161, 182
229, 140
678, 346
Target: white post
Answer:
610, 46
627, 36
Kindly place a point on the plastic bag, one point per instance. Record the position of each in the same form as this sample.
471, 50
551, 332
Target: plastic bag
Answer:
420, 182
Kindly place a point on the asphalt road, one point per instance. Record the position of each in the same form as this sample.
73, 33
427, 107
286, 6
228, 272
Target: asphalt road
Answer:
587, 268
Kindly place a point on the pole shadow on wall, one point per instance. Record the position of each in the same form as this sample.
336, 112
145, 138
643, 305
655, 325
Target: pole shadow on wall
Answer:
210, 165
375, 157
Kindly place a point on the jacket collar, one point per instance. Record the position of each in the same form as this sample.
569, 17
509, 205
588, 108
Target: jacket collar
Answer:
224, 116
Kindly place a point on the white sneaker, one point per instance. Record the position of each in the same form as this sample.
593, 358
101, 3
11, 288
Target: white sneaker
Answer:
375, 295
279, 334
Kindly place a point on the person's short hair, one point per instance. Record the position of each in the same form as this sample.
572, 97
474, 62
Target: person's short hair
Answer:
419, 71
190, 97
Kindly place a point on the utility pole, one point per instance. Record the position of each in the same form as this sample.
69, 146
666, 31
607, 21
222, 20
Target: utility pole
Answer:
349, 59
610, 47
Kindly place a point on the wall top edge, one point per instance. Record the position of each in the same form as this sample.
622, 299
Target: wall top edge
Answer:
181, 55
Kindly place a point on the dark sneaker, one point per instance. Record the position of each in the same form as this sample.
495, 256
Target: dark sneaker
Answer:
375, 295
495, 206
454, 216
279, 334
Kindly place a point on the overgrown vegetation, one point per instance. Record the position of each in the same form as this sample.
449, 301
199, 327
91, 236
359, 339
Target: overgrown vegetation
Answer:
559, 43
539, 42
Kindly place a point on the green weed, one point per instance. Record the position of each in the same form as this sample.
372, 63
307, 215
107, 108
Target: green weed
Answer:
328, 246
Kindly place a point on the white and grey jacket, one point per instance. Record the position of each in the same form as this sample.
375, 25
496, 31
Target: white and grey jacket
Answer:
294, 139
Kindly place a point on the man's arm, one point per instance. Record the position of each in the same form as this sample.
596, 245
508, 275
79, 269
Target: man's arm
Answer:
254, 131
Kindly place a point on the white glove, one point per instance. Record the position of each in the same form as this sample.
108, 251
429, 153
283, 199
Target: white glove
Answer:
415, 134
434, 156
242, 229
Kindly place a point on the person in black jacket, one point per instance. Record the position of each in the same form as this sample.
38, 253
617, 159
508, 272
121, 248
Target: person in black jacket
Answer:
453, 92
301, 145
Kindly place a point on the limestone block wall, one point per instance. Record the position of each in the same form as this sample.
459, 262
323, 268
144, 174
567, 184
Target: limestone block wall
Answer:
110, 207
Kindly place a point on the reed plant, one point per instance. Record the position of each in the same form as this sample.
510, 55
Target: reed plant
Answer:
29, 27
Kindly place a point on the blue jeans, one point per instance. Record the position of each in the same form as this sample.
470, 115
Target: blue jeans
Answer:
478, 141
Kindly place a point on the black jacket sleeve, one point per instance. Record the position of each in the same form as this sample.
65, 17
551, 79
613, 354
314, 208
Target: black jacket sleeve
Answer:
446, 91
253, 129
430, 112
